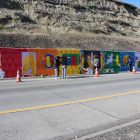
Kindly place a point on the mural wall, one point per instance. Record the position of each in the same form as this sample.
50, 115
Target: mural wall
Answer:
86, 61
110, 61
72, 56
28, 63
137, 61
44, 61
11, 61
124, 60
41, 61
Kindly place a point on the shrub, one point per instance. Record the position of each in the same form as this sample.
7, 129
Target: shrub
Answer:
2, 27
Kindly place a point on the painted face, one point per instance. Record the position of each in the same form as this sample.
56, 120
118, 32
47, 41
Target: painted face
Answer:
125, 59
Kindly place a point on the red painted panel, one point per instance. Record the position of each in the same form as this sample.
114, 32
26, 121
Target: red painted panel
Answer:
11, 61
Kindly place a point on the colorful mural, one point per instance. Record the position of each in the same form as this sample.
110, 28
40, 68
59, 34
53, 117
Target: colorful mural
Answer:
44, 61
110, 61
11, 61
41, 61
86, 61
72, 56
137, 61
28, 63
124, 59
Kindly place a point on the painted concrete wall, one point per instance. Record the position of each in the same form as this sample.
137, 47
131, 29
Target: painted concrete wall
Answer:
11, 61
86, 61
110, 61
43, 64
137, 61
41, 61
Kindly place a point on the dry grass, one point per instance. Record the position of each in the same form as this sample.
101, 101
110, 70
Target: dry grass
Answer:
73, 40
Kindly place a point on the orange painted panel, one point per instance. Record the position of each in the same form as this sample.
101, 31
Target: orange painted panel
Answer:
44, 61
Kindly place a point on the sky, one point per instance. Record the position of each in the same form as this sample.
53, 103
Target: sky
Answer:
134, 2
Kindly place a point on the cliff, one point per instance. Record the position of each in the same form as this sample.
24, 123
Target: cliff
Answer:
66, 18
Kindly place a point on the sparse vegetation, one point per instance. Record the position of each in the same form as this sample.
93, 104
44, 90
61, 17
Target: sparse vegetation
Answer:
98, 31
5, 20
55, 16
2, 27
120, 22
80, 8
122, 33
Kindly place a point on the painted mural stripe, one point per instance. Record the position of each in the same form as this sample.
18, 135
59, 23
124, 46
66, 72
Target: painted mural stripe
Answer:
67, 103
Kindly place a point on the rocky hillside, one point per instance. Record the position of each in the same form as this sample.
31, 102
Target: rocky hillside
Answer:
107, 17
82, 24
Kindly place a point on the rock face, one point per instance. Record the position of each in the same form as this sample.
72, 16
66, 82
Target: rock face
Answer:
108, 17
70, 24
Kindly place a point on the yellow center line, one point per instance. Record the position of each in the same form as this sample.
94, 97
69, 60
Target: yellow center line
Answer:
67, 103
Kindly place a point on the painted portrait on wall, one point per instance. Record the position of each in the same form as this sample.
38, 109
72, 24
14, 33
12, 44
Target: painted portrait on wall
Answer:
28, 63
87, 59
110, 61
124, 60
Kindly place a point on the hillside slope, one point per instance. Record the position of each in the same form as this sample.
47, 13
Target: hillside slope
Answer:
108, 17
84, 24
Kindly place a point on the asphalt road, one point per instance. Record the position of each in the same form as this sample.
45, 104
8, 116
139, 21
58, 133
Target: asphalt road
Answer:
46, 108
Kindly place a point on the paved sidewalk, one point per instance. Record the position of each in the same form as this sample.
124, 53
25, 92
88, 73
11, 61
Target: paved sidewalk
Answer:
72, 76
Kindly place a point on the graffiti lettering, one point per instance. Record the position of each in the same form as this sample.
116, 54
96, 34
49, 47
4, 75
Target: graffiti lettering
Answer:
48, 61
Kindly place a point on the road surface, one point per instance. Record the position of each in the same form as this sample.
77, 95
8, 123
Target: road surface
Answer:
73, 108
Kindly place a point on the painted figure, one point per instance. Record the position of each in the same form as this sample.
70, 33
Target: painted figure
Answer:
110, 60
